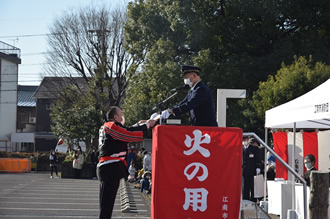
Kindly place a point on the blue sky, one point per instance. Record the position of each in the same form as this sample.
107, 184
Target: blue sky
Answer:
24, 23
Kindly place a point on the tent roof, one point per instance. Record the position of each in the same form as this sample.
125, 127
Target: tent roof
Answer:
310, 110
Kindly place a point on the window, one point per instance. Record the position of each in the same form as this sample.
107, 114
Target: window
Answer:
49, 106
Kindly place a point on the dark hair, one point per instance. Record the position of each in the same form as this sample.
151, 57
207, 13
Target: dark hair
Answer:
112, 112
310, 157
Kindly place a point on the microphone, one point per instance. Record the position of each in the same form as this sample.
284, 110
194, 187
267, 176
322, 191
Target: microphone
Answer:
186, 86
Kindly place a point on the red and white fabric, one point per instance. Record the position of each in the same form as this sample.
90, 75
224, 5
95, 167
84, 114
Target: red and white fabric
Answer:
316, 143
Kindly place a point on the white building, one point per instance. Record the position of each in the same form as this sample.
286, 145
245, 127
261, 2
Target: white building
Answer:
9, 60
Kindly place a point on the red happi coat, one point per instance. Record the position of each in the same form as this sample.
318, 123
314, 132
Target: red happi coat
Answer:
113, 139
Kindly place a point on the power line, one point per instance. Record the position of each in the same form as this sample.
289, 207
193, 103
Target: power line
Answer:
33, 54
34, 35
34, 64
31, 35
45, 63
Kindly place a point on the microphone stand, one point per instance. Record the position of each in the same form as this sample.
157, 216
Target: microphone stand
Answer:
163, 102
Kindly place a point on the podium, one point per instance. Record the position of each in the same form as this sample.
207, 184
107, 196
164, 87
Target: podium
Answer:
196, 172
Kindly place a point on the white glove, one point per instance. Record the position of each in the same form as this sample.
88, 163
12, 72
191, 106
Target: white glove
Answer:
153, 116
165, 114
258, 171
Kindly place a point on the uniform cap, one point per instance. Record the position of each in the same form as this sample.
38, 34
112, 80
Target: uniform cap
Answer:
253, 140
189, 68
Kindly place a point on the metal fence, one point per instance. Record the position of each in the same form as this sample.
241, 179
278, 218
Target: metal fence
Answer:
10, 50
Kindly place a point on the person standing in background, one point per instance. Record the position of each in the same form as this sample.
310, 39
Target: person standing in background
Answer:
251, 166
131, 156
53, 159
94, 159
78, 162
131, 172
309, 162
147, 165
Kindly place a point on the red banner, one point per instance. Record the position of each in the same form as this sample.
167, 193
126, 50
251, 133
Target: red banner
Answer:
281, 148
196, 172
311, 146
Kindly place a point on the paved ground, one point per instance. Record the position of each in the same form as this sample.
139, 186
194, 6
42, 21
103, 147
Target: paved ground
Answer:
35, 195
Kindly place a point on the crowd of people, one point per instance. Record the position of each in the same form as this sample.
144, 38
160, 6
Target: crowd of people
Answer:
140, 170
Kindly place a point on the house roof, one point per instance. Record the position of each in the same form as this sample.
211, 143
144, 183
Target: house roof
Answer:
24, 96
50, 87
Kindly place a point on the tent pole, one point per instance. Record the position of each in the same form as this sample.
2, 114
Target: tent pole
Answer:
293, 165
265, 164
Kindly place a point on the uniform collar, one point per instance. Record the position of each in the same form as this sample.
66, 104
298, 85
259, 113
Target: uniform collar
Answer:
195, 85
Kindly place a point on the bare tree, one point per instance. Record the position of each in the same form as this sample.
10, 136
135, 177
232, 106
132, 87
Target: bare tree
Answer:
89, 43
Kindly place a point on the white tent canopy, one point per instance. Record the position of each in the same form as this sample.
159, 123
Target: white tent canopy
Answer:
310, 110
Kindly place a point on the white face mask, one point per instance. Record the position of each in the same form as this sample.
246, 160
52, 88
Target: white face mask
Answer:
122, 120
187, 81
308, 165
245, 143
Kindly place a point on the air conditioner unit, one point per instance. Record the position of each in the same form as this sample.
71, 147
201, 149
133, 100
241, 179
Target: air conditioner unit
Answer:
32, 119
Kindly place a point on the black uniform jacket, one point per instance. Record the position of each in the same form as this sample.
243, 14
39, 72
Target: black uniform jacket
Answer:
199, 102
113, 139
251, 160
307, 176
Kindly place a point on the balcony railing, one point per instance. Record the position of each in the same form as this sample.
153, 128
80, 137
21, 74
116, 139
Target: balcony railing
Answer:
10, 50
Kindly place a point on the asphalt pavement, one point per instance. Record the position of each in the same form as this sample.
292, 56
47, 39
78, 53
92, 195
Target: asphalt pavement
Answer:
35, 195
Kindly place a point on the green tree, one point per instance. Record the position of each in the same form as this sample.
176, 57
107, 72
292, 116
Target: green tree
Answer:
147, 89
74, 117
290, 82
236, 43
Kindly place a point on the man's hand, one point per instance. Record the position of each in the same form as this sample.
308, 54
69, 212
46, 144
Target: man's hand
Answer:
142, 122
153, 116
165, 114
258, 171
151, 123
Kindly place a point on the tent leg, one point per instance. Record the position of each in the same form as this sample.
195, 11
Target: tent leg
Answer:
293, 164
265, 165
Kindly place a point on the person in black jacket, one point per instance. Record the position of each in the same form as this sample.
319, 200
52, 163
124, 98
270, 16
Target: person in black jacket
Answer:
113, 140
251, 166
199, 100
93, 158
309, 162
53, 159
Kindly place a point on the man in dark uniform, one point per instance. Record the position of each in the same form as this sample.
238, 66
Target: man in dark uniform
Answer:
199, 100
309, 162
113, 139
251, 167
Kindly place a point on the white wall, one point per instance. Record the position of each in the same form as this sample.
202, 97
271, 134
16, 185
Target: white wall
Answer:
8, 100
